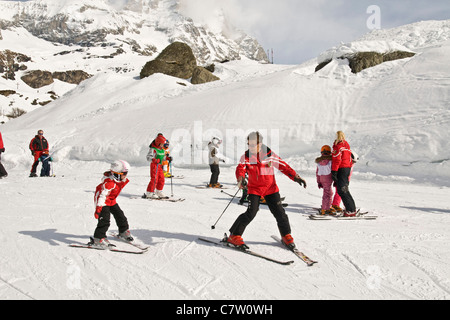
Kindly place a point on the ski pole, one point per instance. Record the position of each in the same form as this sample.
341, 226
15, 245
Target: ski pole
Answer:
171, 178
214, 226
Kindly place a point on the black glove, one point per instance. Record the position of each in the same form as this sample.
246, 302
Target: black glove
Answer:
169, 159
300, 181
334, 175
2, 150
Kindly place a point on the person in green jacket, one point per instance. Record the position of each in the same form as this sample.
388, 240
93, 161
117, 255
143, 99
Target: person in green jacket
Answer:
156, 156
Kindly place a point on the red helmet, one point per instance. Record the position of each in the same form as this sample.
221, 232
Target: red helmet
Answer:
160, 140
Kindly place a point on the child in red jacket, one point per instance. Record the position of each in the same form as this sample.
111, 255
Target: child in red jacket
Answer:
106, 193
259, 163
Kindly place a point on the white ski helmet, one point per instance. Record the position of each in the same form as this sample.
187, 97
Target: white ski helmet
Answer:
120, 166
216, 141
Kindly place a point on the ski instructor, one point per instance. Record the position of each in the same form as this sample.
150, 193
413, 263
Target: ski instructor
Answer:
258, 163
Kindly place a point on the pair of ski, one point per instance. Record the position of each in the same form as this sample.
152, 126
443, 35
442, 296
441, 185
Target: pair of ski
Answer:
113, 248
359, 216
223, 243
169, 199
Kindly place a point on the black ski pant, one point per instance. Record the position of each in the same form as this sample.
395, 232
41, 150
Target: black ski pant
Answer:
342, 185
214, 174
104, 221
276, 208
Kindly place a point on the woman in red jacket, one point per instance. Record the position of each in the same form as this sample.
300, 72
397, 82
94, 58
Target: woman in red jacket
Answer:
341, 168
3, 173
259, 163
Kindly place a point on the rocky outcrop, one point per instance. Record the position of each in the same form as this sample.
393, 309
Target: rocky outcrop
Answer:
38, 78
202, 75
175, 60
178, 60
71, 76
363, 60
11, 62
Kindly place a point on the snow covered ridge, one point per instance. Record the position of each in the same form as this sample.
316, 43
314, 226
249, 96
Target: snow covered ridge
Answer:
400, 42
149, 24
352, 48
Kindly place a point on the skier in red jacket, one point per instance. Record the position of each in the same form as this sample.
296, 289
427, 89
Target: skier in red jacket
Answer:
258, 163
113, 182
39, 148
341, 168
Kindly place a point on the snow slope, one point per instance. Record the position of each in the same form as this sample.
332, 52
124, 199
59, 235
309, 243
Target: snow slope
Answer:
395, 115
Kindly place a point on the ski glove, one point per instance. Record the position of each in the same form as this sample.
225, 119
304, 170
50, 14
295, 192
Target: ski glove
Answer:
320, 185
300, 181
97, 212
334, 175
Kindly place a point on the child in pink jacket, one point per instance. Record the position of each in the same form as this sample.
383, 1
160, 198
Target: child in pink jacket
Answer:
325, 182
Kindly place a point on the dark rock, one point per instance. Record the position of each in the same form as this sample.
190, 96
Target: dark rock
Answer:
176, 60
37, 78
201, 75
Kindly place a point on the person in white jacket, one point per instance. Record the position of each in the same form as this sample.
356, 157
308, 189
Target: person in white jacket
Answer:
215, 157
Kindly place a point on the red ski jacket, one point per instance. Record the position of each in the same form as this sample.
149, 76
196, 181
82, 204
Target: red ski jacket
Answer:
260, 170
107, 191
342, 156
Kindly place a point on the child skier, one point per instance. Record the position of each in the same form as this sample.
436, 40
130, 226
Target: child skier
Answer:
214, 158
156, 155
325, 182
106, 193
258, 163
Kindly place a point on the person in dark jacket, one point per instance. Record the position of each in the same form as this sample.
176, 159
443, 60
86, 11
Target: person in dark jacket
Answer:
341, 168
3, 173
259, 163
39, 149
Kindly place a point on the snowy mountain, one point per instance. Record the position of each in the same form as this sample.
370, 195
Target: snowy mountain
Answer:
102, 36
395, 115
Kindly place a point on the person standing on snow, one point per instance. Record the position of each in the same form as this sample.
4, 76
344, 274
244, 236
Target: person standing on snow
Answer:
39, 149
156, 155
325, 182
3, 173
214, 158
106, 193
341, 169
258, 163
